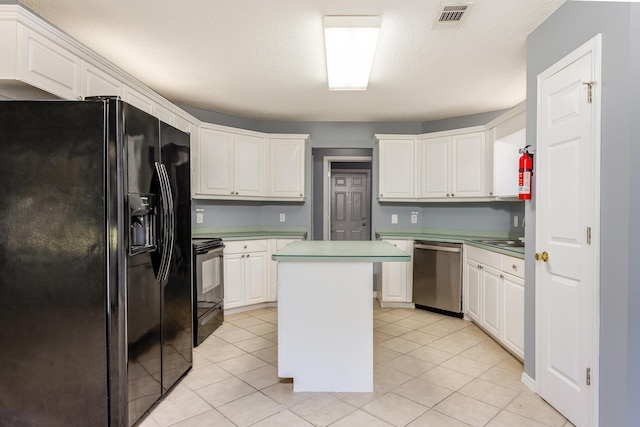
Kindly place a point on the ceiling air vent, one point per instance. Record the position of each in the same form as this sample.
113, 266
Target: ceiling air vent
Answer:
452, 14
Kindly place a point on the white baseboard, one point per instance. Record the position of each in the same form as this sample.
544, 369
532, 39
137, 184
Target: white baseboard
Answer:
375, 294
388, 304
250, 307
529, 382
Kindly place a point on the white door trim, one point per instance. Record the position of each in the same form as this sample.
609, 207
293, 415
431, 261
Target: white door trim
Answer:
595, 47
326, 197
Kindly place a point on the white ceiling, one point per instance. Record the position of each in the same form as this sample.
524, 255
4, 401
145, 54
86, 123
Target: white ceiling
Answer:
265, 59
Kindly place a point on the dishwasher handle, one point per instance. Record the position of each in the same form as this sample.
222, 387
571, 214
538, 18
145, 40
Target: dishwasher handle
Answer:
435, 248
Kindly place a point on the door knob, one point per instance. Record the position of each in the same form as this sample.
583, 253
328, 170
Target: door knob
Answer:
544, 256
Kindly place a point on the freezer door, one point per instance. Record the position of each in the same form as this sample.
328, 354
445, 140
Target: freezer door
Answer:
177, 321
140, 148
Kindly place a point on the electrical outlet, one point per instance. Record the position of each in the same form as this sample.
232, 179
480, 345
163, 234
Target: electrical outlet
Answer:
199, 218
414, 218
282, 217
515, 220
394, 219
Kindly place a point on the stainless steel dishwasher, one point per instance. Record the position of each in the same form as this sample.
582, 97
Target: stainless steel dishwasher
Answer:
437, 277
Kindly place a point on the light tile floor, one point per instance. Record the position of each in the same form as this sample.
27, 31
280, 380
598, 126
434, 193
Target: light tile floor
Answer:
429, 370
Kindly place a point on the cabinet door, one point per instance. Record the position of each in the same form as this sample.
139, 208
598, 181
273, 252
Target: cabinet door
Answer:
396, 169
469, 165
47, 66
96, 82
394, 277
434, 164
138, 100
216, 163
233, 280
473, 282
164, 114
286, 172
255, 277
513, 314
274, 246
491, 300
250, 154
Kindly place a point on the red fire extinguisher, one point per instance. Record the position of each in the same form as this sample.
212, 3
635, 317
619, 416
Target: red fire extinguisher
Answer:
524, 174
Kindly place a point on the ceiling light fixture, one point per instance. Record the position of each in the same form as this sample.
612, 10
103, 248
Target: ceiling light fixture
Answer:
350, 43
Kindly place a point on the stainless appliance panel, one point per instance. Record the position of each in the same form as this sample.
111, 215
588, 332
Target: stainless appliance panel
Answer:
437, 277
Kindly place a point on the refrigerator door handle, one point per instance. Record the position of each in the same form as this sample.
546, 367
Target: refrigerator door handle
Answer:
171, 232
162, 270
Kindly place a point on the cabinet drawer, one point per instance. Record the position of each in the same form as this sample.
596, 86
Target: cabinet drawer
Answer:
243, 246
483, 256
513, 266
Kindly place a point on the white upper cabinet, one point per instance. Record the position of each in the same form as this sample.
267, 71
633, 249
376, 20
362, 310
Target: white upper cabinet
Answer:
164, 114
434, 158
96, 82
469, 177
509, 135
232, 165
138, 100
286, 166
250, 161
46, 65
396, 161
434, 167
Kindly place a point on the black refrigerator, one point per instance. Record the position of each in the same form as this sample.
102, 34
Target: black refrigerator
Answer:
95, 262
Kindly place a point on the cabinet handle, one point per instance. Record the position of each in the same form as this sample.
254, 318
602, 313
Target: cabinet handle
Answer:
453, 195
300, 194
515, 267
502, 276
232, 193
247, 255
479, 267
381, 194
245, 246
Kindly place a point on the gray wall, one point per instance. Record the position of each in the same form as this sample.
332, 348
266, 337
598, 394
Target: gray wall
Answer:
351, 138
619, 354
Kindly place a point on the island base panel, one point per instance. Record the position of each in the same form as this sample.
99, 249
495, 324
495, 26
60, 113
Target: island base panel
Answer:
325, 325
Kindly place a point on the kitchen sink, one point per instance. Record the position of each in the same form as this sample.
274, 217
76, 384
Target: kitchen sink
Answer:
504, 243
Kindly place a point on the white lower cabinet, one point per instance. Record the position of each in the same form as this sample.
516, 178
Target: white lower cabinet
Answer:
394, 280
245, 273
274, 246
513, 314
494, 296
491, 300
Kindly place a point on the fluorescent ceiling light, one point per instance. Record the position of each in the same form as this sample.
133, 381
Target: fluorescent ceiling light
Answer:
350, 43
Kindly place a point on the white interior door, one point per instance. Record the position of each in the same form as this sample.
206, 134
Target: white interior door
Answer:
567, 203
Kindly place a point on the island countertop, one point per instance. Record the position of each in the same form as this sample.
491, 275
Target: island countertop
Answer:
341, 251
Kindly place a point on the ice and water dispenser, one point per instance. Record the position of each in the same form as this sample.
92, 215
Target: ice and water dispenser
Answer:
142, 220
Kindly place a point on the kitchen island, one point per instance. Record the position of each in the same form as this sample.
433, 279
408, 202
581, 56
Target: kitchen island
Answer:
325, 313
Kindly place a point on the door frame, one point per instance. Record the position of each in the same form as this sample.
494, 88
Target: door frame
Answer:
326, 199
593, 46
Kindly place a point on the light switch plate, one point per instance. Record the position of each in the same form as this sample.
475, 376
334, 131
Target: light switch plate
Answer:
515, 220
394, 219
199, 218
282, 217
